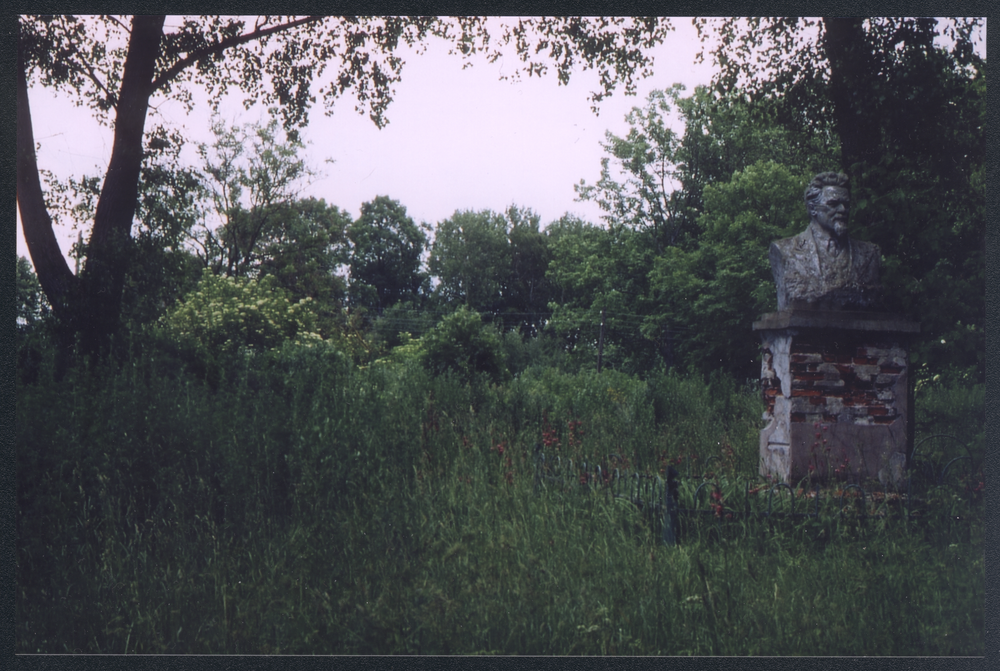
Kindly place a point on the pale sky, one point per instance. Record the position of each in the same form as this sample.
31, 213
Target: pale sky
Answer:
457, 139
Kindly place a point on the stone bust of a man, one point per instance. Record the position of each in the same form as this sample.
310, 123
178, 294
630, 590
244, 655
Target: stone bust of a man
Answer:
822, 268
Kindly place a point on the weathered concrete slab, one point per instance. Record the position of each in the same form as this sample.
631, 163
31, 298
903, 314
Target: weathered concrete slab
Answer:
837, 319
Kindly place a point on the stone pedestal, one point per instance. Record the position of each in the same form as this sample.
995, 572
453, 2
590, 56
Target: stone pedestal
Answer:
836, 388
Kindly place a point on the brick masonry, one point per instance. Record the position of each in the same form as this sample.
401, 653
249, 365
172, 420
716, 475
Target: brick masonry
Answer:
837, 400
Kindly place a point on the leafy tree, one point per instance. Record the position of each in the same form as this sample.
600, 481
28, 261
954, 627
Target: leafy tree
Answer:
712, 293
305, 247
855, 71
648, 158
672, 285
463, 344
470, 258
724, 134
251, 175
32, 308
385, 257
528, 289
494, 264
160, 268
601, 276
653, 177
118, 67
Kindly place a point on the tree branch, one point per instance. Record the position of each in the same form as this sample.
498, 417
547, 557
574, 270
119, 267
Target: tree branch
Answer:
92, 76
199, 54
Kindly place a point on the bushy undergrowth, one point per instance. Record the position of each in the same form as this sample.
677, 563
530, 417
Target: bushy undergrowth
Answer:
304, 505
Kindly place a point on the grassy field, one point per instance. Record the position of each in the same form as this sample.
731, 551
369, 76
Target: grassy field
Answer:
301, 505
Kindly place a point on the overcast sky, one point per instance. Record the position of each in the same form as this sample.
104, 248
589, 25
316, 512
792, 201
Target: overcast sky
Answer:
457, 139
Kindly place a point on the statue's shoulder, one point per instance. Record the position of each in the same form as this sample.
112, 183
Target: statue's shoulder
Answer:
866, 249
866, 246
794, 243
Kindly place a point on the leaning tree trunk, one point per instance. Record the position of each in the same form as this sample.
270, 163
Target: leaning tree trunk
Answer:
91, 304
103, 276
57, 280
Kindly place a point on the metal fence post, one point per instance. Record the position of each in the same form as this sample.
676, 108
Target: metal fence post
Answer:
670, 522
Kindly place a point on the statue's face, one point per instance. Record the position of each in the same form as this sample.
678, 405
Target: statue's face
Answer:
832, 209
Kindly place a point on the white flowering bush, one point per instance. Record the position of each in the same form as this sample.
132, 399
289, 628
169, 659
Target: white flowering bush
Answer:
224, 314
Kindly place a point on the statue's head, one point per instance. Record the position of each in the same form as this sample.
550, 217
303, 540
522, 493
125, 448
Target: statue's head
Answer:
828, 201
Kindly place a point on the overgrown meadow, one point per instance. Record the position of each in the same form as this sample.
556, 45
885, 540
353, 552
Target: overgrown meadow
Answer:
300, 504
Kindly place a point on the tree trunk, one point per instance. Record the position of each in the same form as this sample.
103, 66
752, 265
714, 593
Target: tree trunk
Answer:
54, 274
103, 275
851, 91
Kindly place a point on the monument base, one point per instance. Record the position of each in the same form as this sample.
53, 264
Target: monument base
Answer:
836, 388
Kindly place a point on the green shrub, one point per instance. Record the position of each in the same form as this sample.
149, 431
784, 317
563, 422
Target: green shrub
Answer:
463, 344
224, 314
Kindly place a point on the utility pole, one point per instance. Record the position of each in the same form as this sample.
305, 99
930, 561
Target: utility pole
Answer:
600, 343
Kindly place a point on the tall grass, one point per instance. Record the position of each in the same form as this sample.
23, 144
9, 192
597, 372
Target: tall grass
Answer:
306, 506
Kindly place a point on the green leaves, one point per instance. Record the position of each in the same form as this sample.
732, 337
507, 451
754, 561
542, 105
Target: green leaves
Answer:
719, 286
649, 160
224, 314
463, 344
251, 176
471, 259
386, 246
494, 264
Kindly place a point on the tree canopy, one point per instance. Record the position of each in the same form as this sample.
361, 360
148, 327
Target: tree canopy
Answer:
385, 257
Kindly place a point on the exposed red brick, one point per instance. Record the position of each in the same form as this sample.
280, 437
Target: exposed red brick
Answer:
805, 392
856, 399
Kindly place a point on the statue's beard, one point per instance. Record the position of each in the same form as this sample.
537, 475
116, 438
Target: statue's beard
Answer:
840, 227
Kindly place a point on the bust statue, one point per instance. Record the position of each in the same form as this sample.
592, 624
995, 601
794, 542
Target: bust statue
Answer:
822, 268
